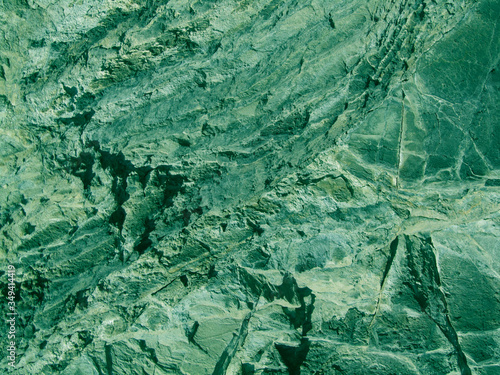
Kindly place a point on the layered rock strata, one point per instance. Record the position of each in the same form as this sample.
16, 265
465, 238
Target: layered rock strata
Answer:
251, 187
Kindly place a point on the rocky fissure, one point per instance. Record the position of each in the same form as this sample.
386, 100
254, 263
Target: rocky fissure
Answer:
251, 187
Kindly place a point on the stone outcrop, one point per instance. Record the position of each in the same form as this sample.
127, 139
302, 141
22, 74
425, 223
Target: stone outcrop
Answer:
251, 187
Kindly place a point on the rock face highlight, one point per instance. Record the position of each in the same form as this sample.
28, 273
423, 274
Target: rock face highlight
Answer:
251, 187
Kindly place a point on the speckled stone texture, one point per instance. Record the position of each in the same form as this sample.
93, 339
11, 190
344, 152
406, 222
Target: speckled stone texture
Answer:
251, 186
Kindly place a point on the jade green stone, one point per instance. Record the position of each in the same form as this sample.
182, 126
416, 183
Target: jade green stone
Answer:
250, 187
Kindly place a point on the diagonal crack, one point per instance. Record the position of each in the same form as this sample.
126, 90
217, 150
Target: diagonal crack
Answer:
393, 248
425, 283
401, 139
192, 333
230, 350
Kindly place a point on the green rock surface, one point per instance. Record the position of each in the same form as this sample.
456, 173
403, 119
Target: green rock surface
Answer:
251, 187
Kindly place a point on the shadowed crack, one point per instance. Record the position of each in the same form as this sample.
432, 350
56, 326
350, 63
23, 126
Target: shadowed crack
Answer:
401, 138
300, 316
80, 119
288, 290
109, 358
192, 333
145, 242
392, 254
120, 169
294, 356
230, 350
96, 365
393, 248
151, 352
81, 167
425, 284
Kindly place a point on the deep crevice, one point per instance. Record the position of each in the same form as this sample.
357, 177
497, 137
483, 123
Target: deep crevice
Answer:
191, 333
119, 168
151, 352
81, 167
392, 254
424, 281
230, 350
80, 119
294, 356
109, 358
145, 242
172, 184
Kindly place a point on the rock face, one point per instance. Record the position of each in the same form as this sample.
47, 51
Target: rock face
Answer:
251, 187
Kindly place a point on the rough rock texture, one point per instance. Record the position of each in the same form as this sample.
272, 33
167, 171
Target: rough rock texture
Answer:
251, 187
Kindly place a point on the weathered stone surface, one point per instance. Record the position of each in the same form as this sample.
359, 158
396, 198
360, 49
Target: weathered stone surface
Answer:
251, 187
